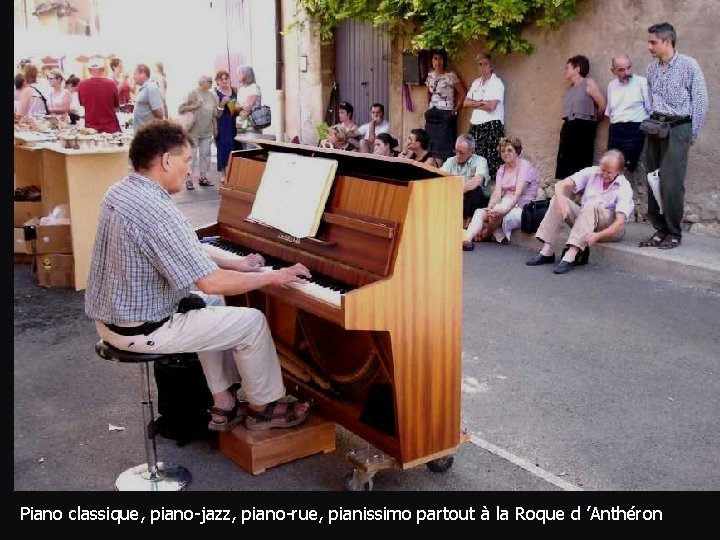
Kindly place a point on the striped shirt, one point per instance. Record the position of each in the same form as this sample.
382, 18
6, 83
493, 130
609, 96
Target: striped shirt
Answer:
678, 88
146, 256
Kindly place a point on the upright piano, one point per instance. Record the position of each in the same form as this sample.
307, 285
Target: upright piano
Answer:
375, 340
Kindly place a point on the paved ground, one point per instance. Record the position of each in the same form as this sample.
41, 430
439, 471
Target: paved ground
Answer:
602, 379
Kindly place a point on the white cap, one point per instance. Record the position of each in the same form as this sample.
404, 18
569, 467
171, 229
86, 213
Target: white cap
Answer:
96, 63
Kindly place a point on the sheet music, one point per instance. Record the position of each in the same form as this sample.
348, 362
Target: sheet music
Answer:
292, 193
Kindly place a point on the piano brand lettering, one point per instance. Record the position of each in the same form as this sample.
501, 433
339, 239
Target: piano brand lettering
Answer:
289, 238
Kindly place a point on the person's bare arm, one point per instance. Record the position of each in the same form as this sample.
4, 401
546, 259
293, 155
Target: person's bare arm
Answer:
473, 182
597, 96
250, 263
563, 191
230, 282
609, 232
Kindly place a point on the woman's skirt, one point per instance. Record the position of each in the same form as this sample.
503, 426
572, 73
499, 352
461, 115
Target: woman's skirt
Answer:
577, 147
441, 126
486, 137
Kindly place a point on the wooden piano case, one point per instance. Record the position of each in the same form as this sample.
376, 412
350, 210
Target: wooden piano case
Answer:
385, 362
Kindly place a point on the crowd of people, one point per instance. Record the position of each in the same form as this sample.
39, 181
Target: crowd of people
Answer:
220, 112
498, 183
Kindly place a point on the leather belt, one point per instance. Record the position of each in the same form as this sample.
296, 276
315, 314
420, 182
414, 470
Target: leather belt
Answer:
671, 118
144, 329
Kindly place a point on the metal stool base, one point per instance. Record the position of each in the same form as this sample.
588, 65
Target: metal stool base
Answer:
169, 477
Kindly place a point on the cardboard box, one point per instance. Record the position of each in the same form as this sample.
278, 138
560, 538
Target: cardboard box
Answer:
24, 211
53, 239
55, 270
21, 244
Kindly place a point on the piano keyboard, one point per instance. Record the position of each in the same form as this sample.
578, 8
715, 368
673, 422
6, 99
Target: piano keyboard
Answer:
320, 287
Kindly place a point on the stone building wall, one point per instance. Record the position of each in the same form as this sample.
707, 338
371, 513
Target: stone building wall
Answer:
534, 85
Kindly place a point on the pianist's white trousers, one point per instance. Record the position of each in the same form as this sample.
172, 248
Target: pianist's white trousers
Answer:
230, 341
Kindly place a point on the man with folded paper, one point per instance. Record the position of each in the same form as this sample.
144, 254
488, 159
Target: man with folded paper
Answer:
605, 206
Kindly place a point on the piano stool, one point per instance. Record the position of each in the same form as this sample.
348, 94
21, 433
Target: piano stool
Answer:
256, 451
151, 475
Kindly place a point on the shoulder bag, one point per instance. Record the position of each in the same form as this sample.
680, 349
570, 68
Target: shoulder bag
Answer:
655, 128
532, 214
186, 118
260, 117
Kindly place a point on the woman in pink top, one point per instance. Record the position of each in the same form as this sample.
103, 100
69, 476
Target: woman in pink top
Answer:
60, 99
515, 186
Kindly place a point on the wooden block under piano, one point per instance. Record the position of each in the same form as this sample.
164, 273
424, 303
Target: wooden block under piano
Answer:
255, 451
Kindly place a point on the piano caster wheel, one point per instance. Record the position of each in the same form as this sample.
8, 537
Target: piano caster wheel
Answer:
440, 464
357, 481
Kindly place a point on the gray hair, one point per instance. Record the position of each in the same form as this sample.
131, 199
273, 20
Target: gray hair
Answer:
246, 74
204, 78
467, 139
614, 154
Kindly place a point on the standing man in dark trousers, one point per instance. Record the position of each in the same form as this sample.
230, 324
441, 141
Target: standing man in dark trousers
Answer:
679, 97
628, 104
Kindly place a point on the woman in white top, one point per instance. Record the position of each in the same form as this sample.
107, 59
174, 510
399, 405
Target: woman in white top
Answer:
248, 97
60, 99
445, 94
486, 98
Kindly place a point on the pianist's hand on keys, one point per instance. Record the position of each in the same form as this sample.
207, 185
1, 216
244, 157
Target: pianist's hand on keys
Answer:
291, 274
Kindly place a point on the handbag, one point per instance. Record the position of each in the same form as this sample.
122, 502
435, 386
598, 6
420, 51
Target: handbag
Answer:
186, 119
655, 128
260, 117
533, 214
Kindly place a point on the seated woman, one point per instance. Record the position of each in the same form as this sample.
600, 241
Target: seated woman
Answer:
416, 148
384, 145
515, 186
337, 138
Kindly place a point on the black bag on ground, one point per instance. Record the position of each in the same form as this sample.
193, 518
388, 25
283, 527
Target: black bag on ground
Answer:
532, 214
184, 400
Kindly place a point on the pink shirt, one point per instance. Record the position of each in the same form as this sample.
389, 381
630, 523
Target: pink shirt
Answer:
617, 197
508, 182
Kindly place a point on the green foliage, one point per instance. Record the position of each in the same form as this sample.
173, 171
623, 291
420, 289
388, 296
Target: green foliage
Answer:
322, 130
445, 24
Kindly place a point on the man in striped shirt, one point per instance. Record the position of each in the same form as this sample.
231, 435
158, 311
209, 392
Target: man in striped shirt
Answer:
147, 258
679, 97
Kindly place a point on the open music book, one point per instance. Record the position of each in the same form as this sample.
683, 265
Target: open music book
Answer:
292, 193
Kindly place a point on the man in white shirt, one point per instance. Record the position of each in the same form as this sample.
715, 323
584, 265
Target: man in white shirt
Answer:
605, 206
375, 126
628, 104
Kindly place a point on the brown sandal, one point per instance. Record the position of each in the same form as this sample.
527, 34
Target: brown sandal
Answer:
653, 241
669, 243
230, 418
205, 182
268, 419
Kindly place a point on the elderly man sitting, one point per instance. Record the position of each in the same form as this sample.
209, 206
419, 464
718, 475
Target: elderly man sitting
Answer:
474, 169
605, 206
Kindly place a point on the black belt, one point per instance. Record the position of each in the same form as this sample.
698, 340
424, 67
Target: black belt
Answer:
145, 329
671, 119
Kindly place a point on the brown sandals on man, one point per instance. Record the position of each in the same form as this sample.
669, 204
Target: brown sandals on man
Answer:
653, 241
269, 419
229, 418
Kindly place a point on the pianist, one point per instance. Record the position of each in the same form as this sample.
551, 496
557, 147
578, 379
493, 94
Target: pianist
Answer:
147, 258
